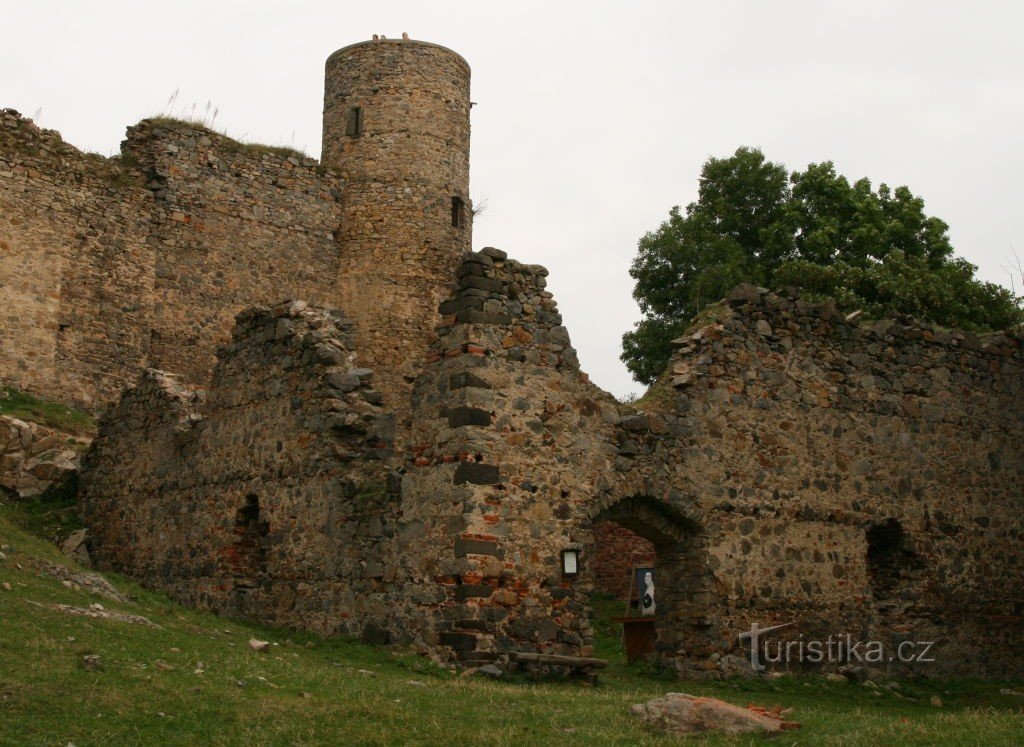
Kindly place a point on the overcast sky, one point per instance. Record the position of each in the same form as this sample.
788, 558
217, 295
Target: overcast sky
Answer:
592, 118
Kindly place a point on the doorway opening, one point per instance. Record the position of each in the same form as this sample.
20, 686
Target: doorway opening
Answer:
647, 569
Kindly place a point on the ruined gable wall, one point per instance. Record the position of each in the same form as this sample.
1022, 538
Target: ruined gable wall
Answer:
235, 225
76, 271
268, 498
780, 437
805, 430
506, 440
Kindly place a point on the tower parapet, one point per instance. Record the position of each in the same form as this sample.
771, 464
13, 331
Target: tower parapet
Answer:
396, 128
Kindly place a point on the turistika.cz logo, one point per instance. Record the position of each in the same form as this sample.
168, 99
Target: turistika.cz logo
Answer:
836, 649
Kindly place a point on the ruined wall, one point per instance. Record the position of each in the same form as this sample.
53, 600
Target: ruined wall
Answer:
806, 432
396, 127
792, 467
234, 225
144, 259
267, 497
110, 265
506, 433
76, 269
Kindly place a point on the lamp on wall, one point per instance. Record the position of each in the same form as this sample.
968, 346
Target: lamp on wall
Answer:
570, 562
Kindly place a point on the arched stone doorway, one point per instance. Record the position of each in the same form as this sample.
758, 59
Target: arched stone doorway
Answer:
682, 578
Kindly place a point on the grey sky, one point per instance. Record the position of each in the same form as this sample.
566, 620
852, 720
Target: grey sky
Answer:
593, 118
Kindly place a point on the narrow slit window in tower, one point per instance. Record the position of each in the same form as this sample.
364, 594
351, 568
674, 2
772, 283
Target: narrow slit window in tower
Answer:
458, 212
354, 121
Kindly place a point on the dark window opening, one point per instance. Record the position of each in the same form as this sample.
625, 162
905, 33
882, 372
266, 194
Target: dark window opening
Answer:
354, 121
248, 517
891, 561
458, 212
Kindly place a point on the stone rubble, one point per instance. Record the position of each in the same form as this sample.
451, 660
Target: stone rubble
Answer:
34, 459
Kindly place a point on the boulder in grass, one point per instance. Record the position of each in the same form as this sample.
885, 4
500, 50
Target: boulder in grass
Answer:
76, 547
679, 714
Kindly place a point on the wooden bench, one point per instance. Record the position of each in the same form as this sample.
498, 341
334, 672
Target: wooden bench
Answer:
579, 666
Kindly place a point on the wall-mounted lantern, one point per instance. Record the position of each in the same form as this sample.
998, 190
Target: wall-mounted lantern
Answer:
570, 562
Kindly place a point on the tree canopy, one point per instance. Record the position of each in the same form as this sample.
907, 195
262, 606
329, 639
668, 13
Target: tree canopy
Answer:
753, 221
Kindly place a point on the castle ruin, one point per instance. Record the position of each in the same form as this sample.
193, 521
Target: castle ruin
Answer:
405, 453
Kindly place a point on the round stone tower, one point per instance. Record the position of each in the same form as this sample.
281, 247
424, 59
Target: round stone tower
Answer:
396, 127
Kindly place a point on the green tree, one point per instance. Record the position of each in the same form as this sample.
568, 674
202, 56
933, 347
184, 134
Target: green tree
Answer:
734, 232
754, 222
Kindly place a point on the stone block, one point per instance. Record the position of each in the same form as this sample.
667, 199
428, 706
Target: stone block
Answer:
472, 591
744, 293
462, 303
343, 382
481, 283
459, 416
635, 423
477, 473
469, 546
464, 379
469, 316
495, 254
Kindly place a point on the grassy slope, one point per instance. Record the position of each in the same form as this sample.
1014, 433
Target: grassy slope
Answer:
148, 690
24, 406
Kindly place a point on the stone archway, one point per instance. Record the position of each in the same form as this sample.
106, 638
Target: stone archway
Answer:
683, 579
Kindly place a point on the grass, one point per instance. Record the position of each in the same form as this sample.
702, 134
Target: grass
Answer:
52, 516
194, 680
282, 151
24, 406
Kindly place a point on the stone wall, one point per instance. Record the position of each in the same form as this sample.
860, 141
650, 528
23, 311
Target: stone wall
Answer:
265, 497
234, 225
76, 268
506, 434
792, 466
853, 478
112, 265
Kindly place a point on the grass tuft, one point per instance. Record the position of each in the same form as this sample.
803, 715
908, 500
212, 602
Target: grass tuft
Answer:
237, 146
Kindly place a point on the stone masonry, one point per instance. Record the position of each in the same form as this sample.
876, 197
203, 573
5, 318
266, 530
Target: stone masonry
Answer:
411, 467
396, 128
112, 265
287, 494
791, 466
